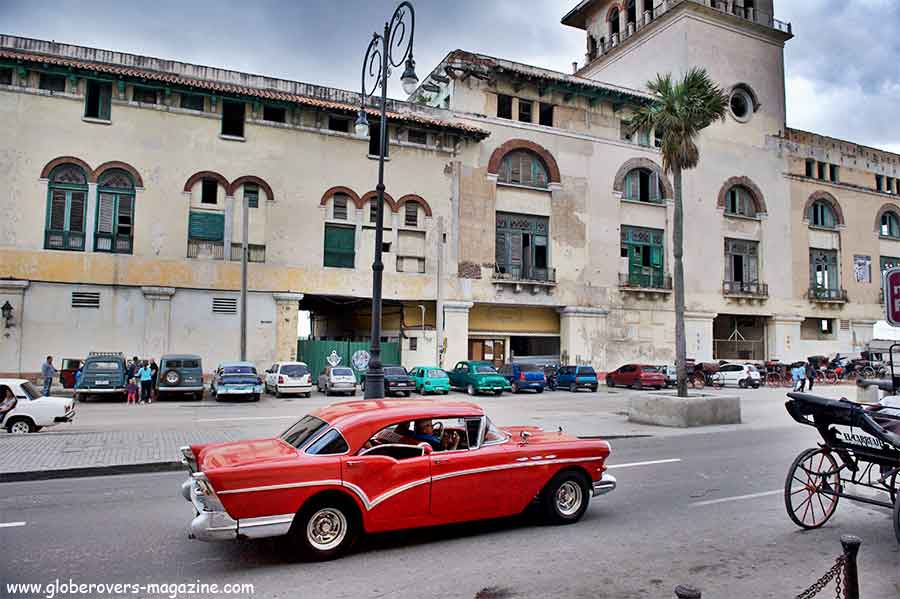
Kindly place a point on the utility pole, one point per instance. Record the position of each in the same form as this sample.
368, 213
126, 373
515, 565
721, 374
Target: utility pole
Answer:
439, 294
245, 228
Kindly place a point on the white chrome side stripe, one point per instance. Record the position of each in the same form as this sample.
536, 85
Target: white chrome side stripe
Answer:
517, 464
311, 483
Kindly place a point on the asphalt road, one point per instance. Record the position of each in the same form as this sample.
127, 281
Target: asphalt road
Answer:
656, 530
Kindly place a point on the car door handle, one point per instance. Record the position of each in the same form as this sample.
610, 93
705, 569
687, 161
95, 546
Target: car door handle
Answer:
352, 463
439, 460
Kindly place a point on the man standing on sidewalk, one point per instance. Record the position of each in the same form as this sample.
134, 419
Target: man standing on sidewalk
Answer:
48, 372
145, 375
810, 373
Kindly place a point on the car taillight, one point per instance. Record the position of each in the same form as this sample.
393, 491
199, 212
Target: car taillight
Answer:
280, 380
521, 376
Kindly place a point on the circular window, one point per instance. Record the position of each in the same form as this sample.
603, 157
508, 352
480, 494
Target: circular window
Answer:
741, 104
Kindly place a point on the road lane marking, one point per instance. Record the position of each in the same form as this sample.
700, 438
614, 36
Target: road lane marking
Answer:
650, 463
294, 417
11, 524
736, 498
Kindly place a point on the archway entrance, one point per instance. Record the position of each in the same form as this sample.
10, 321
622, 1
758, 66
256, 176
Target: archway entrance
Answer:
738, 337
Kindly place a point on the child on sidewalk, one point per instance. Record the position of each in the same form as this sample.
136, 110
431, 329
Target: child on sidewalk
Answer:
132, 390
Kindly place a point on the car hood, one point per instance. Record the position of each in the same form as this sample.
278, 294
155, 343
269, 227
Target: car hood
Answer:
242, 453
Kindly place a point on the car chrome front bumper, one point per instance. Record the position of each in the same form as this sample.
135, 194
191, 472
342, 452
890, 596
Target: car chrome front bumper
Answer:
606, 484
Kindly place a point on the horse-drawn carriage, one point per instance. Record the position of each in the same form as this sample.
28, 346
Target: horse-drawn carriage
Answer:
858, 460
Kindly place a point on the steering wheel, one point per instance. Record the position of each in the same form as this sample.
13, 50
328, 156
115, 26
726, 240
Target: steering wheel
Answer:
437, 429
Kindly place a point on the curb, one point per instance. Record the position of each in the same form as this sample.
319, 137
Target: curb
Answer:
34, 475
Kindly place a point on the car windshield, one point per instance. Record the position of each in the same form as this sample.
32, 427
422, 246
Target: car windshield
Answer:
341, 372
395, 371
751, 368
485, 369
102, 366
294, 370
492, 434
303, 431
437, 374
31, 390
239, 370
529, 368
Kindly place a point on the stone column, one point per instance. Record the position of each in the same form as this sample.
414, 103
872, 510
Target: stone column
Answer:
582, 336
784, 338
698, 332
227, 231
157, 320
456, 332
286, 314
13, 291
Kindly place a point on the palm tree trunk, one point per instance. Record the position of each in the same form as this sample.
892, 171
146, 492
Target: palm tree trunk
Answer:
678, 251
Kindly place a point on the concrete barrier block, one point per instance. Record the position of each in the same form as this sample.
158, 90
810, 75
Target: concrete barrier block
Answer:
662, 409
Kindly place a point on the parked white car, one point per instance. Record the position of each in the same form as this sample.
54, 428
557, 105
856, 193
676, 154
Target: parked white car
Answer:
289, 377
741, 375
33, 410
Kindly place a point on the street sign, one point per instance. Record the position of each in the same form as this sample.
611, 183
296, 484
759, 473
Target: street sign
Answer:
892, 296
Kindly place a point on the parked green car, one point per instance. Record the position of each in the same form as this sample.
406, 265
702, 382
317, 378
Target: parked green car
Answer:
430, 379
478, 377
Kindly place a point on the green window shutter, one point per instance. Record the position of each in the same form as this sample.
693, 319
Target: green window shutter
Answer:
630, 185
105, 211
340, 247
656, 256
208, 226
502, 251
105, 100
76, 212
58, 210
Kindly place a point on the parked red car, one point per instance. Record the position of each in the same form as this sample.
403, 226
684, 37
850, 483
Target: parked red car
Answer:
368, 466
638, 376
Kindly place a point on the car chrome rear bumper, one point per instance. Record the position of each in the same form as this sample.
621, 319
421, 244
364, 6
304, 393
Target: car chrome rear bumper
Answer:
254, 391
180, 389
70, 415
219, 526
95, 390
606, 484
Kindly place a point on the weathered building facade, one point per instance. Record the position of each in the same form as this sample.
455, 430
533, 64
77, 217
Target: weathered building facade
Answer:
523, 219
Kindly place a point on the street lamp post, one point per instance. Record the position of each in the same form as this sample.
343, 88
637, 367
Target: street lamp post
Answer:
380, 57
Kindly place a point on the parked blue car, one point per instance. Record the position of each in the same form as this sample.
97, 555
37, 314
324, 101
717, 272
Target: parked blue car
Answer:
574, 378
524, 376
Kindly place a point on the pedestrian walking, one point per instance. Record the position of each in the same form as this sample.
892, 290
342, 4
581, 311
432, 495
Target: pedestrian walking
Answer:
810, 373
798, 376
133, 366
132, 389
154, 369
48, 371
145, 375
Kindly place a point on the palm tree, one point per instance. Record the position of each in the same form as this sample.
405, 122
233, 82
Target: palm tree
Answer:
679, 111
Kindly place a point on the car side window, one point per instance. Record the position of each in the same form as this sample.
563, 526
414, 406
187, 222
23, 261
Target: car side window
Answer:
331, 443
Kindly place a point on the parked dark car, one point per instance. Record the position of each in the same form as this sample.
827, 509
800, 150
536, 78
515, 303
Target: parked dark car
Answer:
574, 378
180, 373
524, 376
397, 381
103, 374
67, 372
638, 376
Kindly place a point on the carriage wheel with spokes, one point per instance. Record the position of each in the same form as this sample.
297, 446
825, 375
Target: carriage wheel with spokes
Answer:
810, 488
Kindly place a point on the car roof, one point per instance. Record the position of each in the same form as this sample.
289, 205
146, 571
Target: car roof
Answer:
224, 364
289, 363
375, 414
180, 357
480, 362
13, 381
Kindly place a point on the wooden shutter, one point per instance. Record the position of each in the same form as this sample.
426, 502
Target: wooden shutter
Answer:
105, 93
105, 213
751, 269
502, 249
209, 226
339, 246
515, 168
76, 212
515, 252
630, 185
654, 187
656, 256
58, 211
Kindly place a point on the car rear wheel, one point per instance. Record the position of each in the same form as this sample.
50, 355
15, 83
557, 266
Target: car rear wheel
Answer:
471, 390
573, 387
565, 498
515, 388
498, 392
20, 426
742, 383
324, 530
609, 382
540, 389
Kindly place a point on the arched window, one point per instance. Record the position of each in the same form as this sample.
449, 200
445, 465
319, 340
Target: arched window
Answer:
66, 202
114, 231
643, 185
614, 22
522, 167
821, 215
890, 225
739, 202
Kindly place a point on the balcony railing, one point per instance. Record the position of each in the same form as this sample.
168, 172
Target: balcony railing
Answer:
515, 273
825, 294
64, 240
730, 7
654, 281
742, 288
117, 244
201, 249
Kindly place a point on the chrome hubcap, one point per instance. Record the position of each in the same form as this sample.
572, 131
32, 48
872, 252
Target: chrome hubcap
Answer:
20, 427
568, 498
326, 529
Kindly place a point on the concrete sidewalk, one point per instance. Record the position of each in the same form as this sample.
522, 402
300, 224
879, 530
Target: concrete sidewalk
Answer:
113, 438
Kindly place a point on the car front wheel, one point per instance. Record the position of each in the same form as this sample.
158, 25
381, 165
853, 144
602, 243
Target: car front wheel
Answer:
565, 498
324, 530
471, 390
20, 426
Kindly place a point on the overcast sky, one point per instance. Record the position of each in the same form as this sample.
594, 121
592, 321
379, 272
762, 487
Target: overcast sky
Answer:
843, 66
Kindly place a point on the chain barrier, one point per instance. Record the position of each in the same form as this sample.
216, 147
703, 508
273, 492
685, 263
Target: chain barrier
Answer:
835, 572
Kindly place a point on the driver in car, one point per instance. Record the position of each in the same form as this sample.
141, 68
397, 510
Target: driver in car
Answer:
424, 431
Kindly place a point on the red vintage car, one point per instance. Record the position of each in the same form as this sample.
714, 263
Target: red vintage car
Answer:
378, 465
640, 376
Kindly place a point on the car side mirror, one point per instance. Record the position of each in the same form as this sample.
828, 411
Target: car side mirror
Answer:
426, 448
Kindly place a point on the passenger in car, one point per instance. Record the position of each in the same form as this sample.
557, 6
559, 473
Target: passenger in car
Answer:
8, 403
